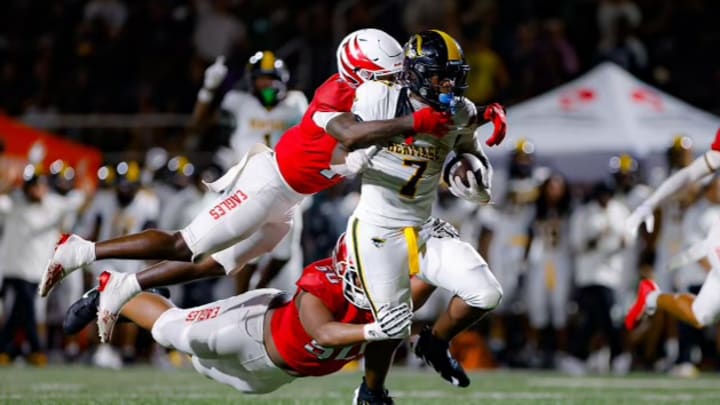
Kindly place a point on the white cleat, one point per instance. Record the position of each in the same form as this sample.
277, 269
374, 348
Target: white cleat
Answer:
71, 253
116, 289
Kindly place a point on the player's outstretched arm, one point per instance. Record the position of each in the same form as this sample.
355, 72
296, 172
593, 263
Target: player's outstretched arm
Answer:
699, 168
353, 133
214, 76
319, 323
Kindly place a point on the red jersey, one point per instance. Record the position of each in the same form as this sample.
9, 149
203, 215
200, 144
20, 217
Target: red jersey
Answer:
305, 151
300, 351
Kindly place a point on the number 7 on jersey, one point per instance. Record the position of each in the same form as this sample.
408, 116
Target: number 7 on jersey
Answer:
410, 187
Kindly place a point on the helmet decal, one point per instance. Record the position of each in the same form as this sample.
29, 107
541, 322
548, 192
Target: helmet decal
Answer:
366, 54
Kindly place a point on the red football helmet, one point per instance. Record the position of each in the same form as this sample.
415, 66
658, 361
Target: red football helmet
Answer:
368, 54
346, 270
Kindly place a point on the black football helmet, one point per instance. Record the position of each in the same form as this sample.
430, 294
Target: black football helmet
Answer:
430, 54
265, 64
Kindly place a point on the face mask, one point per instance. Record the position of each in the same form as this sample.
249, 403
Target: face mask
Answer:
268, 96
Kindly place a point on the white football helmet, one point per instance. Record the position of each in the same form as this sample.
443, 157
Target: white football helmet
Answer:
368, 54
347, 271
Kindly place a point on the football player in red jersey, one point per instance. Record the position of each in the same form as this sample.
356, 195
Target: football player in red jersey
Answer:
263, 339
261, 192
698, 310
331, 327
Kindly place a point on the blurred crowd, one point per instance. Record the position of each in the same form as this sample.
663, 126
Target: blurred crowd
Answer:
115, 56
557, 248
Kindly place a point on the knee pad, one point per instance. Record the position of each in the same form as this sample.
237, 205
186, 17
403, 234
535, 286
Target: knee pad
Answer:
487, 298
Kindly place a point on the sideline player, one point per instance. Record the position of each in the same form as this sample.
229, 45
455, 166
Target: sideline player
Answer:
263, 190
387, 233
701, 310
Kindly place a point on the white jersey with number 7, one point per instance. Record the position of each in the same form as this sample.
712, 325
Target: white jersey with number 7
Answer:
400, 186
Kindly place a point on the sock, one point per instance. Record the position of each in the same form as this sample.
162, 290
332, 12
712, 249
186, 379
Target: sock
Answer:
90, 254
132, 284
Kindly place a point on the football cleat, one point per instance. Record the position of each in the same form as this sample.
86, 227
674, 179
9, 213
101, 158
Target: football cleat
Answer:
115, 290
84, 310
71, 253
435, 353
639, 308
81, 312
364, 396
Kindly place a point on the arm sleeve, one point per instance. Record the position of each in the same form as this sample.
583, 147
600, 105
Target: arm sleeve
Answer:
699, 168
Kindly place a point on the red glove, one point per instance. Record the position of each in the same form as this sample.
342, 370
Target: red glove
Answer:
496, 113
429, 121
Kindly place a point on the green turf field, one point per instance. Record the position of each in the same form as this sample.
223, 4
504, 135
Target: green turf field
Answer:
57, 385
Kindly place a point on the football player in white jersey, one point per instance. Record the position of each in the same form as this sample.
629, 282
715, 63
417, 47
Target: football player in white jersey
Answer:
701, 310
387, 233
260, 110
257, 226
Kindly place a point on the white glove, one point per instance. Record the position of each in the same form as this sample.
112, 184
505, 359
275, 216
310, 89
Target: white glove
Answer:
391, 323
642, 215
472, 193
359, 160
465, 113
215, 74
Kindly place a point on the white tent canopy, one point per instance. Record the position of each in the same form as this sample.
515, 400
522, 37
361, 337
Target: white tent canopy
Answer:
603, 112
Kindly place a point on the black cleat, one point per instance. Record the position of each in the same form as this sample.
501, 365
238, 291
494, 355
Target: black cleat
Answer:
84, 310
363, 396
434, 352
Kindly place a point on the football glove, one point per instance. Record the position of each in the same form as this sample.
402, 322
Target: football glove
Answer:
360, 159
215, 74
496, 114
429, 121
391, 323
472, 192
642, 215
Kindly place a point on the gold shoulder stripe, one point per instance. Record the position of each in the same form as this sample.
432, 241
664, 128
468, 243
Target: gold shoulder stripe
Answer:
452, 46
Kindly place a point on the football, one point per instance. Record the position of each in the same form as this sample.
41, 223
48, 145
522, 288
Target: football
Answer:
461, 165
